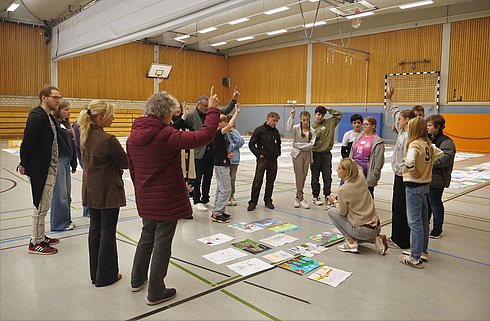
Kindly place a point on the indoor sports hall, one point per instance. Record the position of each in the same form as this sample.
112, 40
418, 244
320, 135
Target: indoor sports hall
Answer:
280, 55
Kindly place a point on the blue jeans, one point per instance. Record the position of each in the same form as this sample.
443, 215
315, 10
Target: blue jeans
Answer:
60, 216
436, 207
418, 218
223, 189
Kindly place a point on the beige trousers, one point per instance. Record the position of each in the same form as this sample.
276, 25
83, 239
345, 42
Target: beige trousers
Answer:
39, 214
300, 166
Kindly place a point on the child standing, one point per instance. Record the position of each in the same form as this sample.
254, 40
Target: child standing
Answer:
417, 174
222, 168
351, 135
235, 142
304, 139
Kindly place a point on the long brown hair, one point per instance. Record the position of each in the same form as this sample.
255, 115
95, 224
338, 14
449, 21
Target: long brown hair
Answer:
307, 114
57, 114
417, 130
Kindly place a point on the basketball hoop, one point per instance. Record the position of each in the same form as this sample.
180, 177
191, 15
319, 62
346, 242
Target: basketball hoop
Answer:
356, 23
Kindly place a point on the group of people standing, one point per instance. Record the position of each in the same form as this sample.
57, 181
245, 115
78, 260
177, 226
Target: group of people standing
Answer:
168, 140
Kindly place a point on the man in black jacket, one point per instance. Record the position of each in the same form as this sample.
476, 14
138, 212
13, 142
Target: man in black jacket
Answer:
265, 144
39, 160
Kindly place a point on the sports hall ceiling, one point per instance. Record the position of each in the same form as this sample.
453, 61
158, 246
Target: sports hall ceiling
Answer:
252, 34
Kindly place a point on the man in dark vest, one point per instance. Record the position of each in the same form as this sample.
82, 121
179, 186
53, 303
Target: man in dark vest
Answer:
39, 160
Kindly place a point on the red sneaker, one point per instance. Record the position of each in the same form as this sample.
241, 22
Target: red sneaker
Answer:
42, 248
51, 241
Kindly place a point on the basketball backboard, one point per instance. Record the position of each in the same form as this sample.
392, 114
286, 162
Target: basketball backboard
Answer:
159, 71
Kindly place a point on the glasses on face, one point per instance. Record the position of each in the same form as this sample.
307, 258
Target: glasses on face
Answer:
56, 97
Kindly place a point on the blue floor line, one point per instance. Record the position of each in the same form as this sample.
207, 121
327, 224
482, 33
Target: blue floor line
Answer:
459, 257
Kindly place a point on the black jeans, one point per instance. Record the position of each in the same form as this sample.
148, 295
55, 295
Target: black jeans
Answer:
437, 207
102, 246
322, 163
204, 174
262, 166
400, 231
156, 237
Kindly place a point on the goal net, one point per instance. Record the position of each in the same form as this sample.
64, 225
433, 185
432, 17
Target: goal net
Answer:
415, 88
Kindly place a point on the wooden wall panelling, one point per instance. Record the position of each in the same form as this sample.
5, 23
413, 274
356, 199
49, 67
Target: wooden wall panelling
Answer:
340, 82
270, 77
193, 73
115, 73
469, 65
24, 60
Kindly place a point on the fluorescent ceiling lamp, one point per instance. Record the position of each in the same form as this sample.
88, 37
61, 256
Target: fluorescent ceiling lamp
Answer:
276, 32
367, 4
276, 10
318, 23
237, 21
415, 4
12, 7
337, 11
207, 30
181, 38
245, 38
314, 0
364, 14
218, 44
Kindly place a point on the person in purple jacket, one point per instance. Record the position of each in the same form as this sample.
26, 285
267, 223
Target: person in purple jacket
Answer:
154, 151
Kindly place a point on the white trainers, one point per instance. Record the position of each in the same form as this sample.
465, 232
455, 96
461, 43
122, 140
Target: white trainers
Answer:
232, 201
424, 256
347, 247
304, 204
317, 201
296, 202
70, 227
200, 207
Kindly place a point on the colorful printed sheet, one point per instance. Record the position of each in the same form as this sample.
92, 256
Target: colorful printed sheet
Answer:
278, 256
223, 256
284, 227
216, 239
278, 240
246, 227
308, 249
267, 222
251, 246
301, 265
325, 238
329, 275
249, 266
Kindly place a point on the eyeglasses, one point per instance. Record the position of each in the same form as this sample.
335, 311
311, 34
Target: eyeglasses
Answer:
56, 97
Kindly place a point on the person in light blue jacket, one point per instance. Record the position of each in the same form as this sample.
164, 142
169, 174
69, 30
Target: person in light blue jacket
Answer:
235, 142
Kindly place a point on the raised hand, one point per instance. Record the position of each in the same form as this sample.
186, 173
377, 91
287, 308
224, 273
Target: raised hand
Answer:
236, 93
390, 93
213, 99
293, 112
237, 108
185, 110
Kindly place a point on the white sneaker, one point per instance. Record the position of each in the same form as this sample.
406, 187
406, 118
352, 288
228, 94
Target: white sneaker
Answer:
424, 256
317, 201
200, 207
347, 247
296, 202
232, 201
70, 227
304, 204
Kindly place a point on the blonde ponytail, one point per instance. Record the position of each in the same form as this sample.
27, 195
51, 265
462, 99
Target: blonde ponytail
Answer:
88, 115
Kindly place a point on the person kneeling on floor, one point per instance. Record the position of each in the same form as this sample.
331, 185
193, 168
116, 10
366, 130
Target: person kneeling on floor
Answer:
354, 213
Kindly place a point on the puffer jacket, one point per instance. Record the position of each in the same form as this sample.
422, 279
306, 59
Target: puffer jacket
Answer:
441, 172
153, 150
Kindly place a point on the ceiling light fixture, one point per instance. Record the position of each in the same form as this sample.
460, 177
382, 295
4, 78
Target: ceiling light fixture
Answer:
218, 44
364, 14
182, 38
12, 7
276, 32
337, 11
314, 0
367, 4
237, 21
245, 38
208, 30
318, 23
276, 10
415, 4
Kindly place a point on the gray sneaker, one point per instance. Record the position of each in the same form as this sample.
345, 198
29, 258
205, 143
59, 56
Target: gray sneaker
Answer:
410, 261
424, 256
392, 244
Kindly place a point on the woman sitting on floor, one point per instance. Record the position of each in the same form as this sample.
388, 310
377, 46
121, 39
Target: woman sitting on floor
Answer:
354, 214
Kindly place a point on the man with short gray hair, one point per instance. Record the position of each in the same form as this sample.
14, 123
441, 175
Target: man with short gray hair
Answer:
204, 156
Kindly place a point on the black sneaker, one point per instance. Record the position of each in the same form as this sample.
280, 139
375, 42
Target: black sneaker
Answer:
227, 216
190, 217
251, 207
169, 295
219, 218
269, 205
435, 234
